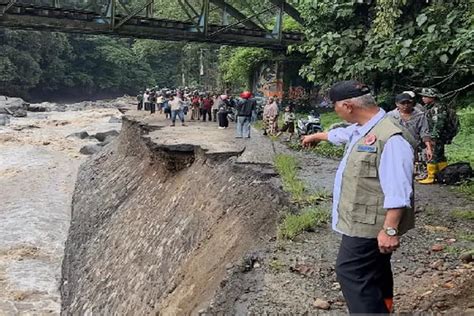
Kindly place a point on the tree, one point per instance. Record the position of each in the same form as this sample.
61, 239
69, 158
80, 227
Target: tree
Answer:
401, 44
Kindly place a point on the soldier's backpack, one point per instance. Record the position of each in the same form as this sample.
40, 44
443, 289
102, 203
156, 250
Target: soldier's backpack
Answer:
452, 125
455, 173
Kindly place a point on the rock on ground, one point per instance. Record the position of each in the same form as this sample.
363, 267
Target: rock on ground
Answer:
90, 149
103, 135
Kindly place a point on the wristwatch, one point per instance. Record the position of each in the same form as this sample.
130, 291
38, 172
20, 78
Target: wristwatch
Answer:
390, 231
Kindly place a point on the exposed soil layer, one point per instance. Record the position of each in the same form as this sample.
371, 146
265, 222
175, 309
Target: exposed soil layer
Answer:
157, 217
183, 220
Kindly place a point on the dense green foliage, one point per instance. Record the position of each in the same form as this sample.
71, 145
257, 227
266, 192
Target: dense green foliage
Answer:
236, 65
462, 147
392, 44
50, 62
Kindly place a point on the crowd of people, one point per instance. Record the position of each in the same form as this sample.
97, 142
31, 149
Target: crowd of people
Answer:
177, 104
201, 106
430, 122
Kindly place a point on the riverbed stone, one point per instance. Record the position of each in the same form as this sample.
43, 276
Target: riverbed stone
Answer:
90, 149
81, 135
101, 136
20, 113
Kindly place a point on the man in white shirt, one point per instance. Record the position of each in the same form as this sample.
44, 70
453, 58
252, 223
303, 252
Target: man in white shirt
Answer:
176, 105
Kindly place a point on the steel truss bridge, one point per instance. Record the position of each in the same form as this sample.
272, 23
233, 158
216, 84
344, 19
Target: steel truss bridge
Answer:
127, 19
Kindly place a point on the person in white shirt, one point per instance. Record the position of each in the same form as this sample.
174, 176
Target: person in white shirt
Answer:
176, 105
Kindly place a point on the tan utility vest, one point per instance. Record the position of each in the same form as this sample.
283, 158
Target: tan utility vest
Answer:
360, 208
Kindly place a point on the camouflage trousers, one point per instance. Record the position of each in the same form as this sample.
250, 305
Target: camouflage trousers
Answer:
438, 153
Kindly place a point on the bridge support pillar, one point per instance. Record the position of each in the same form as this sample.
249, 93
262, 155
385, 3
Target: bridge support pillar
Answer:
149, 9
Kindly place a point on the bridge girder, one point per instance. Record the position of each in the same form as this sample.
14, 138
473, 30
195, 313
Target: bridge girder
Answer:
25, 14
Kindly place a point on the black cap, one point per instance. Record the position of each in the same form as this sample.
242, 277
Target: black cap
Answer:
348, 89
399, 98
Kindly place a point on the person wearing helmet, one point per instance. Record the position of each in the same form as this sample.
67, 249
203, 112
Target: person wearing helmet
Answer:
436, 115
244, 114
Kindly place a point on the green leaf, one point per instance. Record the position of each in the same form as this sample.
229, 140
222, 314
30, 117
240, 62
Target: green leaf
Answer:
404, 51
431, 28
407, 43
443, 58
421, 19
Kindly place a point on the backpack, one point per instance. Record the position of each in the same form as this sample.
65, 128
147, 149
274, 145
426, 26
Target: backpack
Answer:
452, 125
455, 173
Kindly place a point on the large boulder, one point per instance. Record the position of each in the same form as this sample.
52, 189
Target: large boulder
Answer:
11, 105
41, 107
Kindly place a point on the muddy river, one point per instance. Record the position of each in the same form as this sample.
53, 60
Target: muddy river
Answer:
39, 161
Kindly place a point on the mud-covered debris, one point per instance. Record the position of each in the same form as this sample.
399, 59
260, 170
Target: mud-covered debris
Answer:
304, 269
437, 247
427, 293
419, 272
249, 261
321, 304
466, 257
437, 264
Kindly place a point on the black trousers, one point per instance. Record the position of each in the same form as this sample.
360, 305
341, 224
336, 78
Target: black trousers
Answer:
205, 113
214, 115
152, 108
365, 275
223, 121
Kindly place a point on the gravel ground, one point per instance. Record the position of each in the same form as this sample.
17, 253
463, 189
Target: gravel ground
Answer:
289, 277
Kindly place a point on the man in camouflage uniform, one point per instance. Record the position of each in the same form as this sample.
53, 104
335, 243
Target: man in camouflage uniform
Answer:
437, 116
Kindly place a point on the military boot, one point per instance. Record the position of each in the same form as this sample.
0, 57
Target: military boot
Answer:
432, 169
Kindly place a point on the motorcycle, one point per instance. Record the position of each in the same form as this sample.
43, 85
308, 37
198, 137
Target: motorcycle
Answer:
310, 125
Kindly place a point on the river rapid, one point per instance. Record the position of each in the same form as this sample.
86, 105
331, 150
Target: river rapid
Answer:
39, 161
